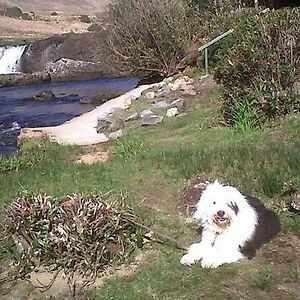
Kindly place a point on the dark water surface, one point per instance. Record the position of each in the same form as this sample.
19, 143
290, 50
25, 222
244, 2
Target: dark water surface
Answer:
19, 109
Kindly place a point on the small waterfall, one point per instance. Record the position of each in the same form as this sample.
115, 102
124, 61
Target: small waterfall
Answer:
10, 58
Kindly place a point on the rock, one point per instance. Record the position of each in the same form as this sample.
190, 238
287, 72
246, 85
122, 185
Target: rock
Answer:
160, 104
116, 135
180, 83
69, 68
85, 101
94, 27
150, 95
172, 112
133, 117
29, 133
74, 46
168, 79
116, 125
101, 98
115, 110
45, 96
180, 104
22, 78
152, 120
146, 113
296, 203
103, 124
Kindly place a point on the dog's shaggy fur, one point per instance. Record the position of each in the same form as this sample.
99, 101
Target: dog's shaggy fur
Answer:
234, 226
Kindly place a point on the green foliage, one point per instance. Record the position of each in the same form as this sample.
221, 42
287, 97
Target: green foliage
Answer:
258, 65
242, 117
128, 148
31, 154
147, 37
10, 164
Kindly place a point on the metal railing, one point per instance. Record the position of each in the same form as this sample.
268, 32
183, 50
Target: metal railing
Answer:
204, 47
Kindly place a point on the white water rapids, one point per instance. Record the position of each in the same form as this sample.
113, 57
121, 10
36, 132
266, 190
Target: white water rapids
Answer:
10, 57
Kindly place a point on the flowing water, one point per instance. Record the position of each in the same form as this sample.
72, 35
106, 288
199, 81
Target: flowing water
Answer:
10, 57
19, 109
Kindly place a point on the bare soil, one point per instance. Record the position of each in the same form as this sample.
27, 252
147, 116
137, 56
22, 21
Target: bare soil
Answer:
44, 25
59, 6
15, 29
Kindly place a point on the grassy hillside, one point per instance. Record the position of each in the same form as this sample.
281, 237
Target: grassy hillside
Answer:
152, 167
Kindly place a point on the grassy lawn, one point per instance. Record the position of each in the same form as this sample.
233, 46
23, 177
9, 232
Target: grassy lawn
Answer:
151, 166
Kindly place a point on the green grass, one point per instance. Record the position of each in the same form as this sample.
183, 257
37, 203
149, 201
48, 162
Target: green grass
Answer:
264, 278
164, 279
152, 166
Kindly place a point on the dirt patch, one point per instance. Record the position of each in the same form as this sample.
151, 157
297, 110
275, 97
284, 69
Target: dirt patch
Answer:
191, 195
272, 274
60, 289
93, 158
15, 28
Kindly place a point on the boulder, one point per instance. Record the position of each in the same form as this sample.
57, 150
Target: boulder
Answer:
45, 96
133, 117
150, 95
103, 124
22, 78
152, 120
116, 135
160, 104
71, 69
180, 104
116, 124
172, 112
146, 113
74, 46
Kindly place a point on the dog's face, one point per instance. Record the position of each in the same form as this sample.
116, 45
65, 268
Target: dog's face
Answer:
218, 206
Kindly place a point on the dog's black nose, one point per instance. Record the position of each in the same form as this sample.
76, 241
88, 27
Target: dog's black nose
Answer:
221, 213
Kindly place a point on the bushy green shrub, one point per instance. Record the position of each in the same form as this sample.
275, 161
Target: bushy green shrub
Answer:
150, 36
259, 65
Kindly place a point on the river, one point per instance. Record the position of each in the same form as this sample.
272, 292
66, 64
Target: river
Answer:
19, 109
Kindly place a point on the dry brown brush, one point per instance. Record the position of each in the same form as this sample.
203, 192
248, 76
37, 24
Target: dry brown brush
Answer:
150, 36
80, 236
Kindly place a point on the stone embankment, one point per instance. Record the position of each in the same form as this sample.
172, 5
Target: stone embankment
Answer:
113, 119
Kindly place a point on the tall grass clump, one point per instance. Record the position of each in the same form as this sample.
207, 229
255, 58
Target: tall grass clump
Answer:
150, 37
129, 147
259, 66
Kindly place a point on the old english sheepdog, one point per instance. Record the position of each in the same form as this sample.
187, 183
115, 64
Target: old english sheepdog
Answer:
233, 227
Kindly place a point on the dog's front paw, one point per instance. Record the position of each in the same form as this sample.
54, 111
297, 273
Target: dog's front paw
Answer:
187, 260
209, 264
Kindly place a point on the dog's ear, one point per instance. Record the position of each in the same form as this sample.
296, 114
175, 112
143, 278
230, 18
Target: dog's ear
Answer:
234, 207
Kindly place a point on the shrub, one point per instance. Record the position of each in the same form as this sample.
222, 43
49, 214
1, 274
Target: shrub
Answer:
259, 65
150, 37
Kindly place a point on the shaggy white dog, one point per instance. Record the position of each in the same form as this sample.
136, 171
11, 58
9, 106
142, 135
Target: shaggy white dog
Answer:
233, 227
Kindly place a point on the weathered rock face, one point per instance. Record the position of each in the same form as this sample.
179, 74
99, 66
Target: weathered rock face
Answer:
83, 47
73, 69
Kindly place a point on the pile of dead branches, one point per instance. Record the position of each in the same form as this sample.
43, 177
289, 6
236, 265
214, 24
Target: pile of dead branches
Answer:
78, 235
